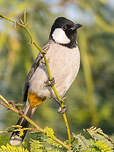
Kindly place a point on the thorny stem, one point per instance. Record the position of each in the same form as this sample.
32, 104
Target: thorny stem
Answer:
47, 66
6, 104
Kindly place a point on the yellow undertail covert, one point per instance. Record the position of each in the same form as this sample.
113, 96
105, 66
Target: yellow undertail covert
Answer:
34, 100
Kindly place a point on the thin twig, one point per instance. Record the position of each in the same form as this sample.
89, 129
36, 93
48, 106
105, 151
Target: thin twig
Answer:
4, 99
48, 69
14, 109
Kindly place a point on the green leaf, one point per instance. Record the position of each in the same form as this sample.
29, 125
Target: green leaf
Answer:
9, 148
35, 146
97, 134
49, 132
41, 143
92, 140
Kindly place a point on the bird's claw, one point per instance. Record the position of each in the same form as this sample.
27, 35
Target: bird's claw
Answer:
50, 82
62, 110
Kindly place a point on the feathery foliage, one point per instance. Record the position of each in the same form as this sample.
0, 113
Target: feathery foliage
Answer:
9, 148
89, 140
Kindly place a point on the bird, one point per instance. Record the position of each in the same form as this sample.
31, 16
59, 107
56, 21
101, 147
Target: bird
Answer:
63, 56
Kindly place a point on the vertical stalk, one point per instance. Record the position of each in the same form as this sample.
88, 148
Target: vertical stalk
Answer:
61, 101
88, 78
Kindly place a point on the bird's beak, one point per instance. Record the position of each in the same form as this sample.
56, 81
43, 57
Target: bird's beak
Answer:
76, 26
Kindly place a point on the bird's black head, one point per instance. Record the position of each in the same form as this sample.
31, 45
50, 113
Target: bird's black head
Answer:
64, 32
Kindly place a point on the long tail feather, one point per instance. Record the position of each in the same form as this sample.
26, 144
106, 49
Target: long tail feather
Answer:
15, 139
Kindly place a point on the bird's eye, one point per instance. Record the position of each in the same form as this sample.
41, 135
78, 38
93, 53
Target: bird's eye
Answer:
65, 27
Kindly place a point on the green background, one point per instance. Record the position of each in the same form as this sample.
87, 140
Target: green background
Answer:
90, 99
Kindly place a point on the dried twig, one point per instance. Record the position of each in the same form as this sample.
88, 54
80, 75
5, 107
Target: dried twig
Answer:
11, 107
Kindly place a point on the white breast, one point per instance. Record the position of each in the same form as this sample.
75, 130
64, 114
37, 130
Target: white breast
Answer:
64, 65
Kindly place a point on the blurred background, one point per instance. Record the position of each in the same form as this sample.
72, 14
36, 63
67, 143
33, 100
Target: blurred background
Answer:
90, 100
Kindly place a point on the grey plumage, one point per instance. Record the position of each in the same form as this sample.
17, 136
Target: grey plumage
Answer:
31, 72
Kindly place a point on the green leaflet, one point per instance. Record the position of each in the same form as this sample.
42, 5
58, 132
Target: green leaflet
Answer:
92, 140
89, 140
9, 148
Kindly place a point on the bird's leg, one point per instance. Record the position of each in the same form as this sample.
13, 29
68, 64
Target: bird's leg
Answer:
62, 109
50, 82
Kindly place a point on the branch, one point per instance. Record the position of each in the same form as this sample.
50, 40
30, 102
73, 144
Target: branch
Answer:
11, 107
24, 25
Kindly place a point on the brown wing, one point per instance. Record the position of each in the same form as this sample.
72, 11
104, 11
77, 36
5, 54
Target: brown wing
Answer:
30, 74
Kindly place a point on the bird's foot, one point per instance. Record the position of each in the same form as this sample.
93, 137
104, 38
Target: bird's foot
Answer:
62, 110
44, 51
50, 82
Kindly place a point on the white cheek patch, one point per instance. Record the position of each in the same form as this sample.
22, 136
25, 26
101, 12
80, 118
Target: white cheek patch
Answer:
60, 37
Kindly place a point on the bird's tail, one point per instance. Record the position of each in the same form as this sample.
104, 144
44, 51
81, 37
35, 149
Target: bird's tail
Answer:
15, 138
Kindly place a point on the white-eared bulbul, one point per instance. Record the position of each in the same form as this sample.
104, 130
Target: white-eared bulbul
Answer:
63, 57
